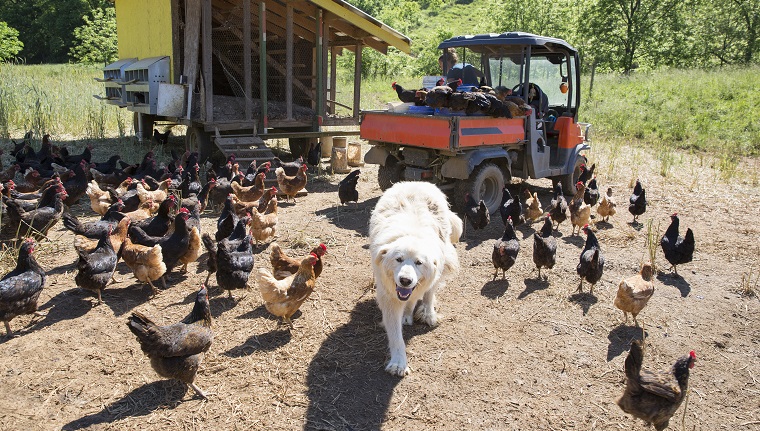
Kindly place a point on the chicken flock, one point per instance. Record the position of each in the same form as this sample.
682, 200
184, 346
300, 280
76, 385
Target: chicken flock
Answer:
150, 219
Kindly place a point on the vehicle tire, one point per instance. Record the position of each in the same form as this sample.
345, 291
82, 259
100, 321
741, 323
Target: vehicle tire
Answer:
299, 147
390, 173
196, 139
568, 181
486, 182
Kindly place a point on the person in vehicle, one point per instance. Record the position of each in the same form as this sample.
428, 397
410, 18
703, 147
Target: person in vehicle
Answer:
453, 69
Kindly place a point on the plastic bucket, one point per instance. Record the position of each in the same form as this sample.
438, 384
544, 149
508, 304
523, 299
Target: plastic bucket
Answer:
327, 145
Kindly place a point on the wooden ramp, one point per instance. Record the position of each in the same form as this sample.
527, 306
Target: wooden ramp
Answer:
246, 149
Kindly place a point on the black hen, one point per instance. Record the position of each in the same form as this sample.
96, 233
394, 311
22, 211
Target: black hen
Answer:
505, 250
406, 96
654, 396
677, 249
558, 210
159, 224
227, 220
476, 212
511, 207
586, 173
638, 201
234, 261
544, 247
591, 265
174, 244
591, 194
95, 268
20, 289
347, 188
176, 351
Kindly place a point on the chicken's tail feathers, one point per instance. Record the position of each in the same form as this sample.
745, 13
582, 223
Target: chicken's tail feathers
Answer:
633, 361
209, 243
140, 325
688, 241
71, 223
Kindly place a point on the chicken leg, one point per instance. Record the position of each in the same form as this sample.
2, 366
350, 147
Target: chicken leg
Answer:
199, 391
8, 329
580, 286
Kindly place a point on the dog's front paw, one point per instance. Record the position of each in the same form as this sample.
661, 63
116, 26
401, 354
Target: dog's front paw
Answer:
407, 320
397, 368
428, 317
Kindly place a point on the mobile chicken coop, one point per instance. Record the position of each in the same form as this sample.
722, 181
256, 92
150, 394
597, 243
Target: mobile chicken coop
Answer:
240, 72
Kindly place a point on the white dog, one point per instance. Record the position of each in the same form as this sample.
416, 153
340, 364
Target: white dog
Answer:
411, 236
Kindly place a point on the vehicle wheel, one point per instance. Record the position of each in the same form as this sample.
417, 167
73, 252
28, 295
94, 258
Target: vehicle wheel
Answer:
390, 173
569, 180
486, 182
196, 139
299, 147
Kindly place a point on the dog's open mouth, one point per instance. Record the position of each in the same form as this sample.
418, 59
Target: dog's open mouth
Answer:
403, 293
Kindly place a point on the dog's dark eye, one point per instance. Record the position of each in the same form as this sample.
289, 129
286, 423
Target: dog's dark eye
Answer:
399, 260
417, 262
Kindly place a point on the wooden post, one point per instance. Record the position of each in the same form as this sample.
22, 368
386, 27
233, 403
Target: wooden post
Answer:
208, 78
289, 60
333, 78
191, 43
263, 65
591, 84
357, 78
325, 64
247, 78
319, 100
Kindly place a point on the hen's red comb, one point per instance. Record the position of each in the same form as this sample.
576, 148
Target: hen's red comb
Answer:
693, 355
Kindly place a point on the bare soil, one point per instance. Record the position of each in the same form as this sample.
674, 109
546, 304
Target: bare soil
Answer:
513, 354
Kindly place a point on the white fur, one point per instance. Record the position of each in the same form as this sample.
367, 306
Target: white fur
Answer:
411, 237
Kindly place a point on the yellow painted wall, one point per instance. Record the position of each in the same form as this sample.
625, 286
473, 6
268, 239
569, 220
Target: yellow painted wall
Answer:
144, 28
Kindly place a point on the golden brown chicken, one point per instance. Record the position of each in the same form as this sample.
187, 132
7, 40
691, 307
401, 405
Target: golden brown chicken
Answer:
580, 212
193, 249
143, 211
606, 206
533, 210
251, 193
284, 297
100, 200
290, 186
264, 226
283, 265
157, 195
634, 292
147, 263
654, 397
124, 186
118, 235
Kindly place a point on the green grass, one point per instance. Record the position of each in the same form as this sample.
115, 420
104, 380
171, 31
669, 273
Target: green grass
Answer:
713, 112
55, 99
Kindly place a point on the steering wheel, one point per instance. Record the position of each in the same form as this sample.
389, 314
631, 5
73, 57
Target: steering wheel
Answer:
540, 102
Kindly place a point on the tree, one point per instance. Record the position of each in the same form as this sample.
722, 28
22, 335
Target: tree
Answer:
10, 46
96, 38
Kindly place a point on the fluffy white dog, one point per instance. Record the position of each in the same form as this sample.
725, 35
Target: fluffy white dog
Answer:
411, 236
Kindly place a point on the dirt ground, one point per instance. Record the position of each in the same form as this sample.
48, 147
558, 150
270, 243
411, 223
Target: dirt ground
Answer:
514, 354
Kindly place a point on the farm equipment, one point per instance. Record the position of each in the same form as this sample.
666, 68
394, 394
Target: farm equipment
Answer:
479, 153
240, 72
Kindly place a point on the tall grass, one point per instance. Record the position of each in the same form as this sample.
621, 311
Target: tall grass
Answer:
55, 99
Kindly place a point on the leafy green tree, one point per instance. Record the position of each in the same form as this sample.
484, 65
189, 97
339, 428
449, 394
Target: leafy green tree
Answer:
96, 38
10, 46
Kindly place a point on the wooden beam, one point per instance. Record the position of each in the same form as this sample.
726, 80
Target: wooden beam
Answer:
383, 32
289, 61
325, 64
357, 78
333, 72
319, 84
247, 63
191, 44
177, 66
207, 68
263, 66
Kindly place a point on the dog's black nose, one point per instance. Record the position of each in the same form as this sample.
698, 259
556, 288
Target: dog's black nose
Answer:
405, 281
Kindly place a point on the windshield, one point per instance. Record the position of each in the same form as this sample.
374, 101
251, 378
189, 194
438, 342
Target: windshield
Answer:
507, 71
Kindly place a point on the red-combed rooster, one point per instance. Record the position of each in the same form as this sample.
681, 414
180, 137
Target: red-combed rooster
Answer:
406, 96
654, 396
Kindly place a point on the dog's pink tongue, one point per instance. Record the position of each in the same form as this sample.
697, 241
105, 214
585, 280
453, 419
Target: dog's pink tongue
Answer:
403, 292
